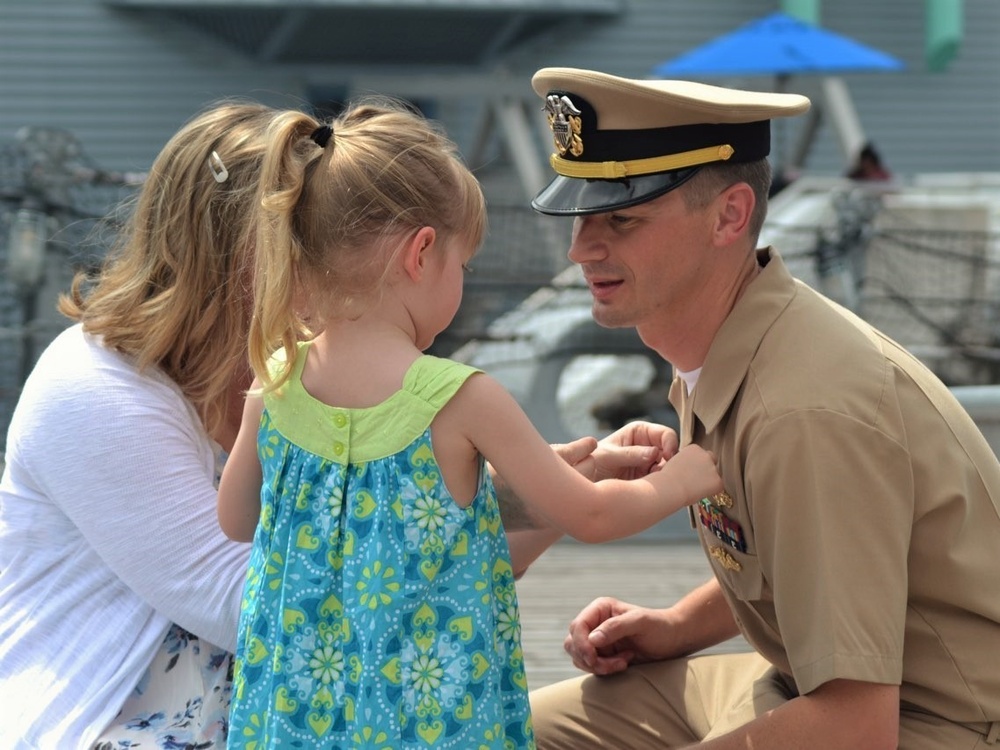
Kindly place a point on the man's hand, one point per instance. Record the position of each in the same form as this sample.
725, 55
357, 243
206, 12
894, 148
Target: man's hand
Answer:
608, 635
579, 454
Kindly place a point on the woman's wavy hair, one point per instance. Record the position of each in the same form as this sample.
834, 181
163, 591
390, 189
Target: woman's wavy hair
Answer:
334, 215
173, 292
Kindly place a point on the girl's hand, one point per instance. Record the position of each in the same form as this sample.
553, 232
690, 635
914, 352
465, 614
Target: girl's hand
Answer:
628, 453
633, 451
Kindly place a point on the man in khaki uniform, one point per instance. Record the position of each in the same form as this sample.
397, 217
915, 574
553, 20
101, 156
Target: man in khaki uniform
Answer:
857, 544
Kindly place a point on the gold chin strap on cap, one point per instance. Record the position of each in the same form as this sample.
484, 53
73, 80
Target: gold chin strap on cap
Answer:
616, 170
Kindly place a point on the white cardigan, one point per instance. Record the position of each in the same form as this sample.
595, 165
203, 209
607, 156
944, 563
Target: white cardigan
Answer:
108, 533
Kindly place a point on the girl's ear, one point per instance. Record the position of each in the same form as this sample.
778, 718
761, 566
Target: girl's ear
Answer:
415, 252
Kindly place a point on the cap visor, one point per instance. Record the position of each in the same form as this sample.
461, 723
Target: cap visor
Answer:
573, 196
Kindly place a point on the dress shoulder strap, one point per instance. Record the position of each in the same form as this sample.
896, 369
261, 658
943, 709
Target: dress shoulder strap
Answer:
435, 379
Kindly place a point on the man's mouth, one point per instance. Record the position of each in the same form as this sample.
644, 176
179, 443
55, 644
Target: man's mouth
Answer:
603, 288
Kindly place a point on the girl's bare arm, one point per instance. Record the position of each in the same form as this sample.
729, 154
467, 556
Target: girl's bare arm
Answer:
593, 512
239, 489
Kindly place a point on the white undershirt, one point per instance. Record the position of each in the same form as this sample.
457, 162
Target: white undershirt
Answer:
108, 533
690, 379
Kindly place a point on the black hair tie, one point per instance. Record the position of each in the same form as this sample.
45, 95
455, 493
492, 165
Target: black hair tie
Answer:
321, 135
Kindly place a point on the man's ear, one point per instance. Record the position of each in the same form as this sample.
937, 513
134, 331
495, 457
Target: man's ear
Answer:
414, 253
735, 207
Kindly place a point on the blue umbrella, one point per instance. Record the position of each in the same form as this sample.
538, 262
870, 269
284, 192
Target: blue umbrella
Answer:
780, 45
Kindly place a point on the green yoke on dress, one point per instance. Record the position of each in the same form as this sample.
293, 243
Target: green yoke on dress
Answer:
377, 613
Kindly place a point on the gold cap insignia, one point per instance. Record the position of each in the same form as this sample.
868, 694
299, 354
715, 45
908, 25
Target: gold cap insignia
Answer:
566, 124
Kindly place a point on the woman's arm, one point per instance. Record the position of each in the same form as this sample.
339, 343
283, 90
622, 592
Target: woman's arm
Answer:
239, 489
126, 459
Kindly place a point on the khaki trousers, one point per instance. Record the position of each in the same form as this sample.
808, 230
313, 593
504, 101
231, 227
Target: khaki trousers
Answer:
675, 703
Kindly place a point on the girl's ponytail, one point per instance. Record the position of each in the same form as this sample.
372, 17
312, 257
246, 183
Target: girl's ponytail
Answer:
276, 323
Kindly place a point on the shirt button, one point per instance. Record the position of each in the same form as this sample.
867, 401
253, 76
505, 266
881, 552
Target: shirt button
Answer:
338, 448
340, 420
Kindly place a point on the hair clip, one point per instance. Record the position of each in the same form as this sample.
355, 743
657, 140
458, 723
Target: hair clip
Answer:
321, 135
217, 168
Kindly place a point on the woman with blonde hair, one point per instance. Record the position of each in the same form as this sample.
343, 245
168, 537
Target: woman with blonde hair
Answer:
119, 594
117, 590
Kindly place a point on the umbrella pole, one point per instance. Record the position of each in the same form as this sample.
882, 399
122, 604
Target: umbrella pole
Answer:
781, 87
844, 118
807, 138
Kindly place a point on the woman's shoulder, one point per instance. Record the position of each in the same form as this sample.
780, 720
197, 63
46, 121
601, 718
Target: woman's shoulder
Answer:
81, 397
77, 367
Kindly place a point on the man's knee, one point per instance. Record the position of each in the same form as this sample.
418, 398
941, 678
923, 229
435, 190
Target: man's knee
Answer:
627, 710
658, 705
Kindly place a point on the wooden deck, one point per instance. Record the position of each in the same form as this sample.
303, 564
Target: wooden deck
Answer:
570, 575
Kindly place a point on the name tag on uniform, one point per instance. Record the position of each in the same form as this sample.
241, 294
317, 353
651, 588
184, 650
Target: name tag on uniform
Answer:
724, 528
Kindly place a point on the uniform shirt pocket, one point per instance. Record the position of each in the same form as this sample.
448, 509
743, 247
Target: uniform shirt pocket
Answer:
739, 572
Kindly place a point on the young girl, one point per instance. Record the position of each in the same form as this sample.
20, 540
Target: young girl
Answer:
379, 608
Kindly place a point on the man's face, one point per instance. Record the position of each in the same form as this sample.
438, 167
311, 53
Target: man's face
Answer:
644, 265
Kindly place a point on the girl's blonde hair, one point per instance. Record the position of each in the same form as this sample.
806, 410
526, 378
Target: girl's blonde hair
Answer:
174, 290
333, 215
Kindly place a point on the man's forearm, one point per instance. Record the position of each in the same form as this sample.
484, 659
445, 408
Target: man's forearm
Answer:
703, 619
527, 545
513, 511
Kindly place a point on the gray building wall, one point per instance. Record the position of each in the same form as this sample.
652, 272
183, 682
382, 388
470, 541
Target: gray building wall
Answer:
124, 81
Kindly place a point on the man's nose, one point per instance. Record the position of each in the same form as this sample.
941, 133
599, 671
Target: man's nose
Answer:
586, 245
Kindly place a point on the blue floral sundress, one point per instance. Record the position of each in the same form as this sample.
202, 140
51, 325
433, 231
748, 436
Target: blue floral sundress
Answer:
377, 613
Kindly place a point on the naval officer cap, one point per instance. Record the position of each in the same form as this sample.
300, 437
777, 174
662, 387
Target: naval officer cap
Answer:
621, 142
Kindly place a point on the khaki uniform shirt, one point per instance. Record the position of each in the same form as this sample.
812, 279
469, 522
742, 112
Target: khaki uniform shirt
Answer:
859, 534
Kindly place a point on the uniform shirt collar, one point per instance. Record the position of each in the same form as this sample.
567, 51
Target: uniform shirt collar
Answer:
737, 341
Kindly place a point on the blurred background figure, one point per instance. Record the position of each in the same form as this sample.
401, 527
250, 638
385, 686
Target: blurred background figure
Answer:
869, 166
